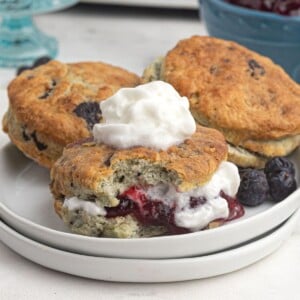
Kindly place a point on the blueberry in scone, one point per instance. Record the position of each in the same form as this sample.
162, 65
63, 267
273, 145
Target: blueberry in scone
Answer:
38, 62
246, 96
56, 104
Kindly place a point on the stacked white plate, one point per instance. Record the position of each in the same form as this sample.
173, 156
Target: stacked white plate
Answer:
30, 227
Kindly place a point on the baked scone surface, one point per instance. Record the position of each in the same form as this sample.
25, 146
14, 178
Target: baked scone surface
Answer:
56, 104
99, 173
252, 101
87, 164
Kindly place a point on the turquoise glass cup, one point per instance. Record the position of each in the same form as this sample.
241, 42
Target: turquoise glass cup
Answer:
21, 41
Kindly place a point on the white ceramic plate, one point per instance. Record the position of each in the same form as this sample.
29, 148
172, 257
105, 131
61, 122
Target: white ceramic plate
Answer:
146, 270
26, 205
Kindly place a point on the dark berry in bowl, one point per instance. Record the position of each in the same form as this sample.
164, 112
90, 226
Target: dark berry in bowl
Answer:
278, 164
287, 7
264, 5
282, 7
41, 61
281, 185
254, 188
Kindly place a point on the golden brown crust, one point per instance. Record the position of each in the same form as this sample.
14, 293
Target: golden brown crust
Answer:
239, 92
87, 165
43, 101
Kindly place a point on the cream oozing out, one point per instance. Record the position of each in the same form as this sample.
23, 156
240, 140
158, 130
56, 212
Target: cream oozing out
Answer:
225, 179
91, 208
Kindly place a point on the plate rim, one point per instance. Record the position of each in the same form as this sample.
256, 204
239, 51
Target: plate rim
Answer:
261, 215
251, 252
38, 231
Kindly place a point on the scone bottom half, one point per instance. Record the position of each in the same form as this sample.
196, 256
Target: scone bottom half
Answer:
56, 104
117, 180
246, 96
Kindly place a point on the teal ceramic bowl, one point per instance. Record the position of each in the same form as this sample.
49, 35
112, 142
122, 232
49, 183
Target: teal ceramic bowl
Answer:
272, 35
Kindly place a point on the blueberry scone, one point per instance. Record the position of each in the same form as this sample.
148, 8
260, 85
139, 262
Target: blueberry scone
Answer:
56, 104
172, 179
252, 101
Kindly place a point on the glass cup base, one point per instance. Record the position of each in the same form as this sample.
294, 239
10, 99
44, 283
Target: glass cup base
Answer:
21, 42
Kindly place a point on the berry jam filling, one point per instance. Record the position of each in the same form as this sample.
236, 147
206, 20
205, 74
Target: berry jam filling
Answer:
236, 210
156, 213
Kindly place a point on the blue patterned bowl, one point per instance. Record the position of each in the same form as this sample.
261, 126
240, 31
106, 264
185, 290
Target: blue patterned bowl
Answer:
272, 35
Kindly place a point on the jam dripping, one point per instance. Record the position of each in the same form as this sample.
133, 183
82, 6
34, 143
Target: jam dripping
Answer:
236, 210
156, 213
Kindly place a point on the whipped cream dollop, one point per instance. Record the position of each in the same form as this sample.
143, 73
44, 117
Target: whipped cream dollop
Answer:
152, 115
214, 206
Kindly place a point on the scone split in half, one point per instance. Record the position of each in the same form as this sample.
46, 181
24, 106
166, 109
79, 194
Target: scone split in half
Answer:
139, 192
148, 170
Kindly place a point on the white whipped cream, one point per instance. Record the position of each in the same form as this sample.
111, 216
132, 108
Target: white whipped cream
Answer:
91, 208
225, 179
152, 115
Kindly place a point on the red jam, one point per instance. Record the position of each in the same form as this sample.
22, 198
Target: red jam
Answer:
133, 201
282, 7
236, 210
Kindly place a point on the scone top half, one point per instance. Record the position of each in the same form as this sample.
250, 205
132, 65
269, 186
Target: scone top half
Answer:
100, 174
252, 101
57, 104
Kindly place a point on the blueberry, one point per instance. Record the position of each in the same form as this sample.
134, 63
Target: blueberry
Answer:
254, 188
40, 146
280, 174
22, 69
282, 185
255, 68
278, 164
25, 136
49, 90
90, 112
281, 178
41, 61
38, 62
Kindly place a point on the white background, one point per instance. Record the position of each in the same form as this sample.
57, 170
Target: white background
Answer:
132, 39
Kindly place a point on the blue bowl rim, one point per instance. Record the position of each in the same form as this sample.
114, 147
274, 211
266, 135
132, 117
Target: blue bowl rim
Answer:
252, 12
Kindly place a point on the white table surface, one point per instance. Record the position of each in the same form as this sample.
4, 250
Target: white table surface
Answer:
132, 38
